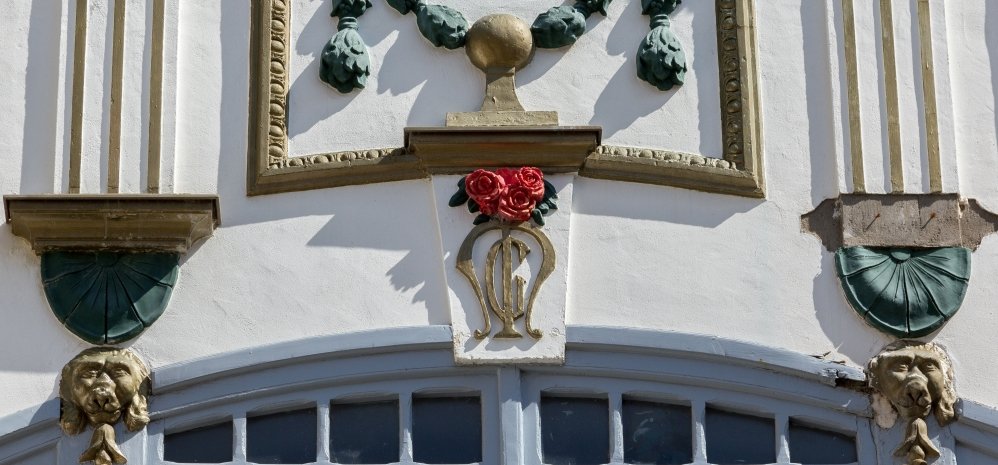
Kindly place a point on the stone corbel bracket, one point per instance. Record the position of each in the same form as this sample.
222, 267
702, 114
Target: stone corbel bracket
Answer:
891, 220
117, 222
459, 150
903, 260
109, 262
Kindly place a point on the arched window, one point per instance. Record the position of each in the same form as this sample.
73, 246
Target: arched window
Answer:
396, 397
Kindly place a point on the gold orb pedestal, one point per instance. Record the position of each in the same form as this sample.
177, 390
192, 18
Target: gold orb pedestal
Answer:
499, 41
500, 45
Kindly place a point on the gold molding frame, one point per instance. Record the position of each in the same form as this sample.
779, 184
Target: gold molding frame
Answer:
270, 170
739, 172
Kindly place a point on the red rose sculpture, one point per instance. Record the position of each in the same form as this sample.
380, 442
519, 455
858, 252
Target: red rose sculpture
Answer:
507, 194
533, 179
516, 204
485, 188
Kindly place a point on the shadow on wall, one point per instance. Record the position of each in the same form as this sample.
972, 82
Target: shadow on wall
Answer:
320, 27
29, 319
991, 39
383, 222
845, 329
637, 201
233, 115
625, 98
817, 77
396, 73
389, 216
40, 100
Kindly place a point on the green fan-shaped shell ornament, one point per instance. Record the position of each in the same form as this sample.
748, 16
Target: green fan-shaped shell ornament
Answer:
904, 292
108, 297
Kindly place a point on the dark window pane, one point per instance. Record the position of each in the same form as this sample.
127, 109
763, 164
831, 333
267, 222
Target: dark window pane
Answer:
810, 445
286, 437
575, 431
739, 439
657, 433
208, 444
364, 432
447, 430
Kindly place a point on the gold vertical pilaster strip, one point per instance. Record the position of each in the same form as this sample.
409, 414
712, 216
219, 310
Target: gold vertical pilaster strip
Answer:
929, 93
154, 158
79, 70
893, 103
852, 76
117, 78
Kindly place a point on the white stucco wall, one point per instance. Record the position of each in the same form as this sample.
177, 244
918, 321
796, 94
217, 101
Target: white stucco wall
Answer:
288, 266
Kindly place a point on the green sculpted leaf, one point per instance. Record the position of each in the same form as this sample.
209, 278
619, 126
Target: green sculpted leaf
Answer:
403, 6
107, 297
345, 64
537, 216
442, 26
459, 198
549, 191
593, 6
904, 292
659, 7
558, 27
661, 60
350, 8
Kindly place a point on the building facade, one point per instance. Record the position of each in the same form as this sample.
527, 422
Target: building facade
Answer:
256, 232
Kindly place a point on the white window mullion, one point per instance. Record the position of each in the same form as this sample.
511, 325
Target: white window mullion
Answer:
405, 425
782, 438
155, 449
322, 412
510, 416
616, 427
699, 408
239, 437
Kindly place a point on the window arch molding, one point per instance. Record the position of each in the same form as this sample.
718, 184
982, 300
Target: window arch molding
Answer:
615, 364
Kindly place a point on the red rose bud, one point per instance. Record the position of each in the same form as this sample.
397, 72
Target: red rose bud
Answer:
485, 188
516, 204
533, 179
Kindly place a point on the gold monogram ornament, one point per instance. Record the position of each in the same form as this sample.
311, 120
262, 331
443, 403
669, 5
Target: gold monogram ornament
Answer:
506, 200
514, 303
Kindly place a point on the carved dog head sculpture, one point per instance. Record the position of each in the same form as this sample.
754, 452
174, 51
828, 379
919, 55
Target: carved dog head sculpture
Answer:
100, 386
916, 378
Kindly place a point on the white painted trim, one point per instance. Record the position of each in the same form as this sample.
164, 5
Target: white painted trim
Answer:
590, 349
784, 361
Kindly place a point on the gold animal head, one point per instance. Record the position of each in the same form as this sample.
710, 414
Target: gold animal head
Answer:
916, 378
100, 386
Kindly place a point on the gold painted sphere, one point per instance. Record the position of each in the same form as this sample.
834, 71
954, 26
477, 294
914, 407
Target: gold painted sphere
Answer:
499, 41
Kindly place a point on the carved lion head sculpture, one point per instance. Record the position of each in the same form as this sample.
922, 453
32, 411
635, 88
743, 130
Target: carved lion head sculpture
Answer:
916, 378
100, 386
